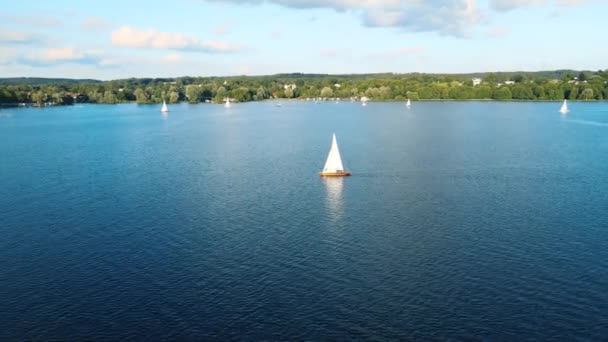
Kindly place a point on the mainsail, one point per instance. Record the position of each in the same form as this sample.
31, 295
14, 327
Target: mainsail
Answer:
334, 162
227, 104
164, 109
564, 108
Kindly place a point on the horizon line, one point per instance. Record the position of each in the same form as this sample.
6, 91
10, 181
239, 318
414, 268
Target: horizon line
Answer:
307, 74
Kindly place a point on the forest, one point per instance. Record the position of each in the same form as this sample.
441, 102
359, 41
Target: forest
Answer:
503, 86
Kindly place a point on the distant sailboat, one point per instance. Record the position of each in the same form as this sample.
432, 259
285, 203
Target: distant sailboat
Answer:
333, 165
564, 108
364, 100
164, 109
227, 104
408, 104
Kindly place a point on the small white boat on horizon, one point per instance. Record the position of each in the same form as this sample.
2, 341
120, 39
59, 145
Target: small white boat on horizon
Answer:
164, 108
227, 104
408, 103
564, 108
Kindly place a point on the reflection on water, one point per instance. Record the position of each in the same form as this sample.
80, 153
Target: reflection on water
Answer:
334, 202
588, 122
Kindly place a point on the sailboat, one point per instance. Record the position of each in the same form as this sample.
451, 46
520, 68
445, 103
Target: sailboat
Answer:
227, 104
333, 166
564, 108
364, 101
408, 104
164, 109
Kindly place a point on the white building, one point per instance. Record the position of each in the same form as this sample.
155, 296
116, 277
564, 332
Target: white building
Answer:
476, 82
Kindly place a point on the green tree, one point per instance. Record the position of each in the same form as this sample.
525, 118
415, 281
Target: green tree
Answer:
326, 92
261, 93
193, 93
39, 98
587, 94
521, 92
141, 96
483, 92
109, 97
412, 95
173, 97
573, 92
57, 98
518, 78
289, 93
502, 93
385, 93
491, 78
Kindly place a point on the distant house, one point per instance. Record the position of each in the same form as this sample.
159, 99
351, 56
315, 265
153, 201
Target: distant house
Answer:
476, 82
337, 85
509, 82
289, 86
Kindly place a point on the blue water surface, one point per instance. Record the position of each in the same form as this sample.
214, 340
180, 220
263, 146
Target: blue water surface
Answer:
462, 221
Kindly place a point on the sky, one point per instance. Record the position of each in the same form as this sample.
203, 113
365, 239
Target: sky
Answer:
120, 39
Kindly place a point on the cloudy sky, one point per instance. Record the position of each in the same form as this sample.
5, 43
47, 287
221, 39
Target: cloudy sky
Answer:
117, 39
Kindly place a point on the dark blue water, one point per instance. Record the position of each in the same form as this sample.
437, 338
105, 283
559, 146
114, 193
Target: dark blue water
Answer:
472, 220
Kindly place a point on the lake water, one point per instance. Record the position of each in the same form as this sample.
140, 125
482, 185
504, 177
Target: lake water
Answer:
462, 220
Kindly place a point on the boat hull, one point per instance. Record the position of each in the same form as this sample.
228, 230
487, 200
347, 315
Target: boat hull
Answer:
334, 174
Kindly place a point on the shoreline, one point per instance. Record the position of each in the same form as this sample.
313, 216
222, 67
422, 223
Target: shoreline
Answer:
31, 105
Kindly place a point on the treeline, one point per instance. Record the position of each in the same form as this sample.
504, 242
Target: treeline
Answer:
546, 85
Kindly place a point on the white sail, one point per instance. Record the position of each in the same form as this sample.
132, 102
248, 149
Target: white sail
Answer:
564, 108
227, 104
164, 109
334, 162
408, 103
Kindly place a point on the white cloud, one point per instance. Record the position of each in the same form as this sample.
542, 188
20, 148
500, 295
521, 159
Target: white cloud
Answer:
129, 37
14, 37
61, 56
571, 2
449, 17
330, 52
414, 51
223, 28
498, 32
38, 20
93, 24
172, 58
276, 34
7, 55
506, 5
